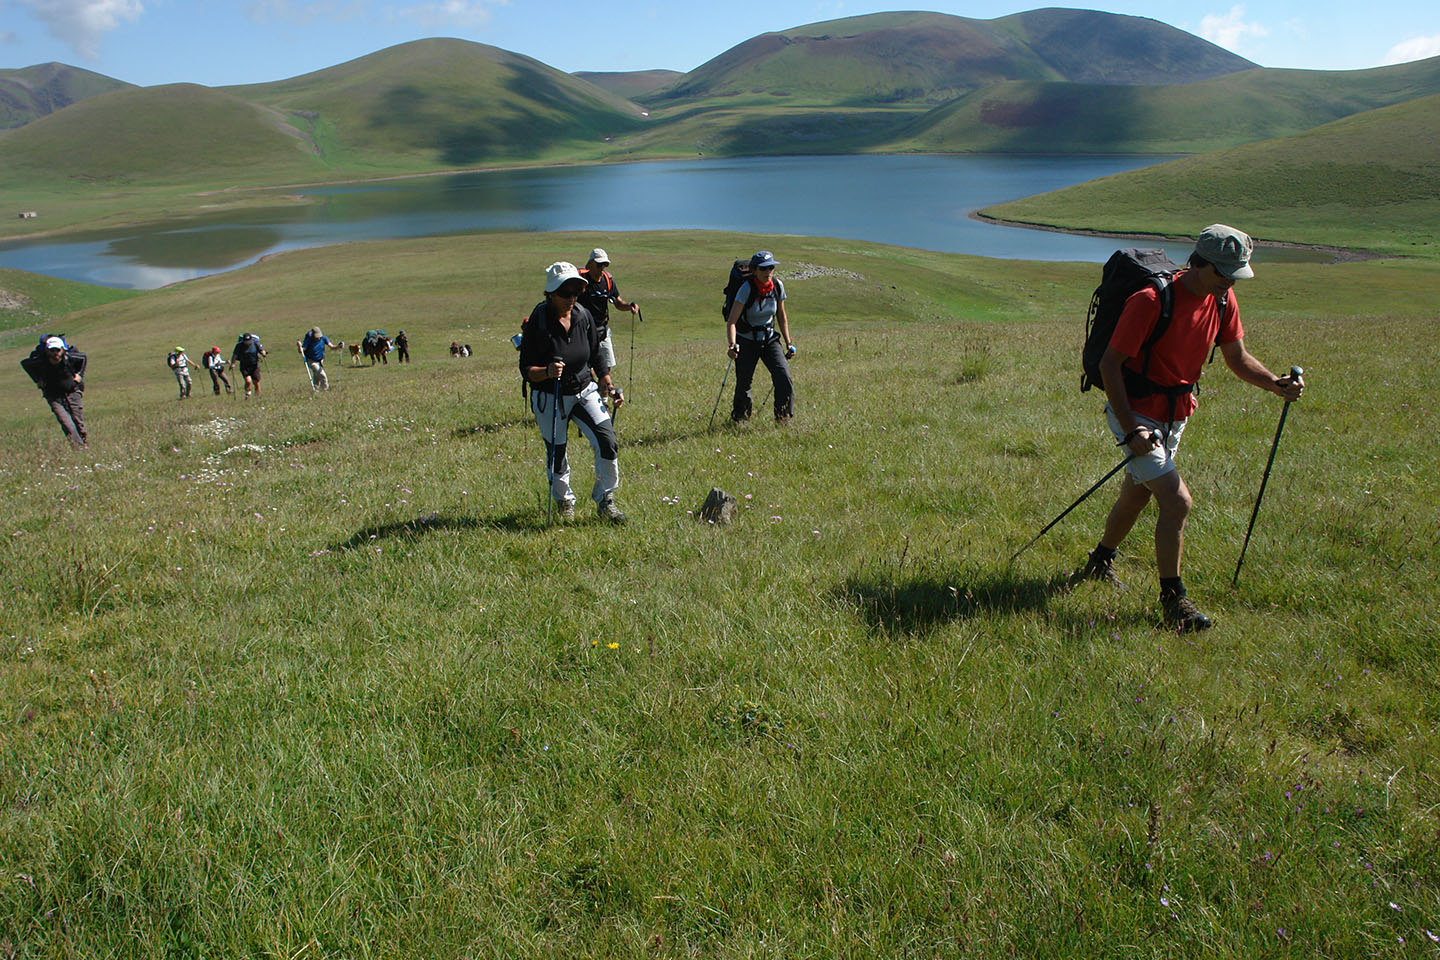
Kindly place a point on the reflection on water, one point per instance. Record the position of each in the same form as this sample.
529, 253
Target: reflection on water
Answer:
210, 249
909, 201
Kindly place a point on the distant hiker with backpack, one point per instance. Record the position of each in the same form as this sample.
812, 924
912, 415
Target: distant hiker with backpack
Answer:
600, 291
215, 365
58, 369
754, 309
1148, 369
402, 348
559, 353
180, 365
247, 355
312, 348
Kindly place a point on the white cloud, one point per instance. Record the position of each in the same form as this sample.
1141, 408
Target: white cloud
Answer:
449, 13
1231, 30
82, 23
1416, 48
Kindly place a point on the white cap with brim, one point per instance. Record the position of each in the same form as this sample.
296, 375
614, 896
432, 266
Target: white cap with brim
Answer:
557, 274
54, 343
1227, 249
599, 256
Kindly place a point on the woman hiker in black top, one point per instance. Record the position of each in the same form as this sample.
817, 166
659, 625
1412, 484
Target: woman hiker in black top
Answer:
559, 350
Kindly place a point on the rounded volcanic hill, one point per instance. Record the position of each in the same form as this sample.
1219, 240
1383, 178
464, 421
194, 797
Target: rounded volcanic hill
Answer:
448, 102
176, 133
930, 58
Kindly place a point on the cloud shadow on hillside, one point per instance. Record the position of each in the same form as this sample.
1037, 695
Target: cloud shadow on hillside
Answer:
913, 605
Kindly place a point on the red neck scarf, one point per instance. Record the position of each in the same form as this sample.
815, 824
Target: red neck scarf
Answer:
766, 288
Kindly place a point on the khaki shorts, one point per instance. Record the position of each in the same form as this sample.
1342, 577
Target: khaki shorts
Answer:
607, 351
1160, 460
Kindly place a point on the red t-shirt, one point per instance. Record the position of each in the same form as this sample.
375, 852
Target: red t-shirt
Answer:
1179, 356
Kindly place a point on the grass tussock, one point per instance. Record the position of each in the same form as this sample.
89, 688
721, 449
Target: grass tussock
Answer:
312, 676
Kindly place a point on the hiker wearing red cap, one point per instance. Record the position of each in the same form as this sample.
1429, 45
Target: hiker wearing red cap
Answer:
214, 364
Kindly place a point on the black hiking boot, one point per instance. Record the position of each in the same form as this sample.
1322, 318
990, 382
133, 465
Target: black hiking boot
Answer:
1095, 568
1182, 615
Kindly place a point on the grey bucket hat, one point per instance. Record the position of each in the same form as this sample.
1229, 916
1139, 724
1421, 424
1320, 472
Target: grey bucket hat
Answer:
1228, 249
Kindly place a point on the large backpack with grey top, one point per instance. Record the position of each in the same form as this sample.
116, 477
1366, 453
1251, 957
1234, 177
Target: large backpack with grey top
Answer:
1126, 272
740, 274
247, 348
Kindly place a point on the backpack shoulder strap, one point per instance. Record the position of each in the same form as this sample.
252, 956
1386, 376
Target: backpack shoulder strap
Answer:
1224, 307
1166, 291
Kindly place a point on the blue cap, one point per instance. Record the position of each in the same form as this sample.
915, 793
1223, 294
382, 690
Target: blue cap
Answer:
763, 258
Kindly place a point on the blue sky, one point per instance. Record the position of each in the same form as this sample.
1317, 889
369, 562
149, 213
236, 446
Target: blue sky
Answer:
219, 42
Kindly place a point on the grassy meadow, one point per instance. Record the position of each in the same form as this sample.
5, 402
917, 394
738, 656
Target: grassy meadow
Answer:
312, 677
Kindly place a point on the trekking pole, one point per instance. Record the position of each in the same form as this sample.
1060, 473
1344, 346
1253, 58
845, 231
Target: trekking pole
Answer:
1083, 497
1295, 374
552, 466
723, 381
641, 314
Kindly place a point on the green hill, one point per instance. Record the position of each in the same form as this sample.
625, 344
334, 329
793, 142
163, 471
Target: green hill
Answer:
1198, 117
1089, 46
1370, 181
181, 133
32, 92
929, 58
630, 84
447, 103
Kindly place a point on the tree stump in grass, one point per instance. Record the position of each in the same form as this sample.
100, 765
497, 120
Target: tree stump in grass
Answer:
718, 508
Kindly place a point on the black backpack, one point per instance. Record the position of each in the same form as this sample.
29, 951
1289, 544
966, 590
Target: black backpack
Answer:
1125, 272
36, 365
739, 276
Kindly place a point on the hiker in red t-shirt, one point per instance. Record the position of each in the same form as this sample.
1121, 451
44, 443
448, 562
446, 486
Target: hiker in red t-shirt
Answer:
1149, 425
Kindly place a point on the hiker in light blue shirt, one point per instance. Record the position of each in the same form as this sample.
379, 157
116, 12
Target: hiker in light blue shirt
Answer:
312, 348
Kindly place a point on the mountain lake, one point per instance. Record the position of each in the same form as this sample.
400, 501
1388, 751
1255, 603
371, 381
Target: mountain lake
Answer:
912, 201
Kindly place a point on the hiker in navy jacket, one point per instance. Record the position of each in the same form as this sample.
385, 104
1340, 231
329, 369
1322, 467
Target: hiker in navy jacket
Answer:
58, 369
559, 353
751, 328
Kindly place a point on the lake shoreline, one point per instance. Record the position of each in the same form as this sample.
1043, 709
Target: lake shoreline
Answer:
922, 202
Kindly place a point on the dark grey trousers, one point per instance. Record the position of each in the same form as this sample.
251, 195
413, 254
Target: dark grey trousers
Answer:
69, 410
772, 354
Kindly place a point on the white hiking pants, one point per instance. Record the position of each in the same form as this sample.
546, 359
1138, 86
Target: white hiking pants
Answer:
594, 421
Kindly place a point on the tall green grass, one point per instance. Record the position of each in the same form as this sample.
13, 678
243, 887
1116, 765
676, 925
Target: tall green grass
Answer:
311, 675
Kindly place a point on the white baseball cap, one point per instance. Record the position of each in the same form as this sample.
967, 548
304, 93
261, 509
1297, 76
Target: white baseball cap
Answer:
54, 343
599, 255
558, 273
